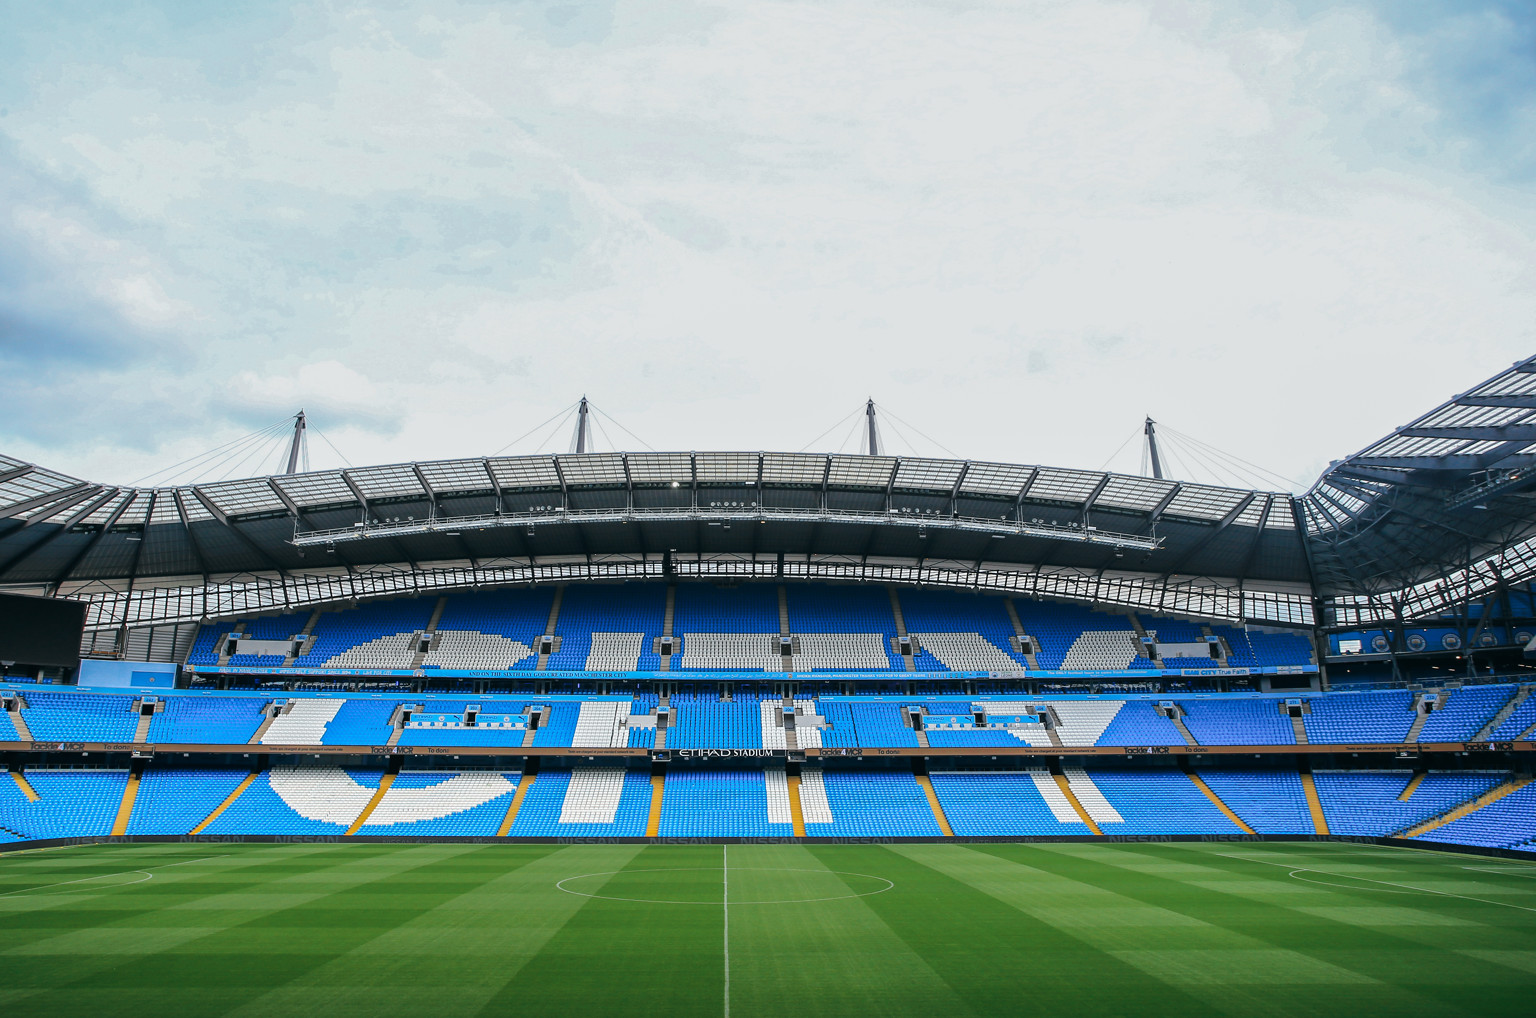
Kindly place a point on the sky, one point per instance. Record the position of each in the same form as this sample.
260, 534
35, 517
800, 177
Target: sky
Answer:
1281, 229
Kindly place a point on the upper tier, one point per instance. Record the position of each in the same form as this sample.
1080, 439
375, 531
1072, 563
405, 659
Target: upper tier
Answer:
832, 629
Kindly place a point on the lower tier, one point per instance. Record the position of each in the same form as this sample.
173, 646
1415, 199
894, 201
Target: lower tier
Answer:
604, 799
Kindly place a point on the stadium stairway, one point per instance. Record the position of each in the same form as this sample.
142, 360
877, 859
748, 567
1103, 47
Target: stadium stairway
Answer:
130, 793
384, 782
269, 715
1178, 722
909, 661
1417, 727
228, 802
796, 812
22, 731
1299, 730
141, 730
429, 634
523, 784
939, 818
303, 644
1412, 786
1314, 803
1072, 800
25, 786
1503, 715
549, 629
653, 818
1210, 794
1472, 805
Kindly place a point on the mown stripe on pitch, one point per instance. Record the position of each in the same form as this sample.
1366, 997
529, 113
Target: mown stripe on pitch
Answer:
230, 956
1312, 962
615, 957
837, 956
455, 957
1002, 960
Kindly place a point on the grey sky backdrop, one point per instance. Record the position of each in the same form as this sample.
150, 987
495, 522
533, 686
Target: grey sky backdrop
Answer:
1281, 228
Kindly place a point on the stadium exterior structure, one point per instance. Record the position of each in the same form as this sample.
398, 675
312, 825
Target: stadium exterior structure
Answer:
1428, 521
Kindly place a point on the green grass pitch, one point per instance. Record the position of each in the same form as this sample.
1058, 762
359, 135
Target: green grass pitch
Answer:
340, 930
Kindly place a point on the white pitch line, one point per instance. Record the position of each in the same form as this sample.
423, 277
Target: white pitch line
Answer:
1410, 887
148, 875
725, 900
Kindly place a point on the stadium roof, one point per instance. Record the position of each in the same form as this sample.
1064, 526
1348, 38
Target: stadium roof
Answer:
1436, 513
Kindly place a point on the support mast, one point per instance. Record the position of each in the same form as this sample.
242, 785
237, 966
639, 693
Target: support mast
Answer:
582, 441
1157, 461
298, 444
873, 446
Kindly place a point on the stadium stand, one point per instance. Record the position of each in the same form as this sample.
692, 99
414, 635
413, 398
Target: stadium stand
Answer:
443, 804
1370, 803
299, 800
70, 803
1359, 717
839, 803
718, 802
173, 801
613, 628
211, 720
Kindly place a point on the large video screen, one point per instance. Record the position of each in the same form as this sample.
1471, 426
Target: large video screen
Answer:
41, 630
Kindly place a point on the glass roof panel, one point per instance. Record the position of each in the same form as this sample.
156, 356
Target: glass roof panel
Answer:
861, 471
106, 511
32, 484
928, 475
606, 468
165, 507
1200, 502
315, 489
1056, 485
995, 479
138, 510
525, 471
1126, 492
1251, 516
195, 510
793, 468
726, 467
456, 475
393, 481
236, 498
660, 468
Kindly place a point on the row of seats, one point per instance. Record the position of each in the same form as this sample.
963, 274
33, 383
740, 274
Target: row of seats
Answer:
706, 722
607, 799
613, 626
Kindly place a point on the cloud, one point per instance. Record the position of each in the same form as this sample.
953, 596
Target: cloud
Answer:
1282, 228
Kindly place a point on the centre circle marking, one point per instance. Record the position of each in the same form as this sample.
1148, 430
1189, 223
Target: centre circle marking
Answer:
560, 885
